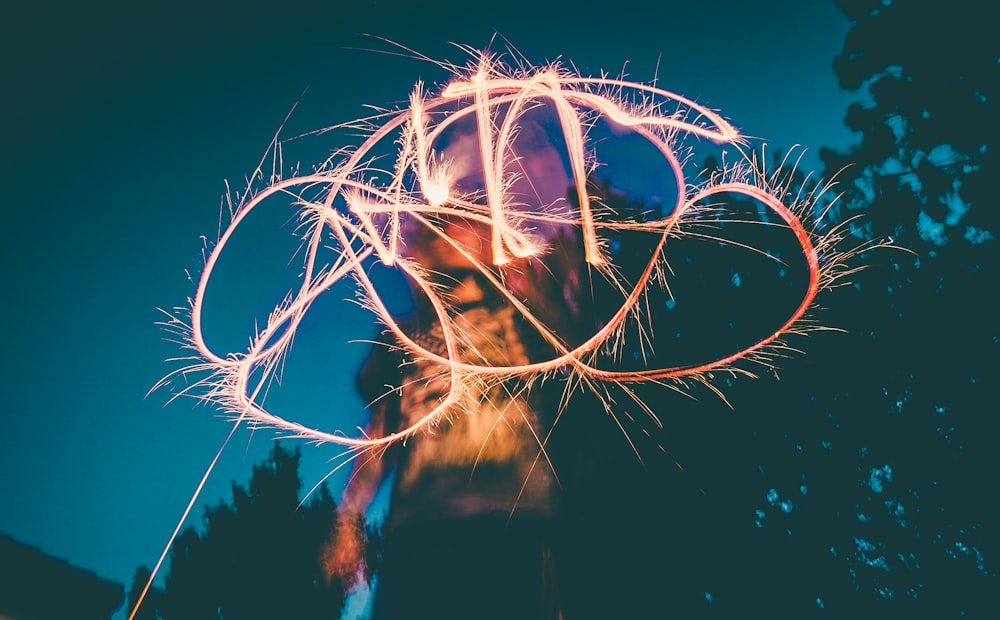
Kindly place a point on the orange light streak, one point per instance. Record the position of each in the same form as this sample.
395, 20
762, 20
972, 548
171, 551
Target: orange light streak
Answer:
495, 98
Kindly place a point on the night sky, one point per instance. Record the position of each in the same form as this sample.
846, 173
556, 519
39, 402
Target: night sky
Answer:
123, 123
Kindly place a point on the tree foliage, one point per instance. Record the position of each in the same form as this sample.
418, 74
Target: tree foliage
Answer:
257, 556
856, 485
927, 158
899, 402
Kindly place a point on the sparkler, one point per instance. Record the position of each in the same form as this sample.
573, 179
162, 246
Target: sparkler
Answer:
461, 167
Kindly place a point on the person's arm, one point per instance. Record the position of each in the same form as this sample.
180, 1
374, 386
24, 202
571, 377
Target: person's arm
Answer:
344, 554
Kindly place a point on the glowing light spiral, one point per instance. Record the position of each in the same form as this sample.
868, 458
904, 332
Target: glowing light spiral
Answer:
367, 212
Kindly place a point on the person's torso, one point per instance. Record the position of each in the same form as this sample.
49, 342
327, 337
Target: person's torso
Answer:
485, 453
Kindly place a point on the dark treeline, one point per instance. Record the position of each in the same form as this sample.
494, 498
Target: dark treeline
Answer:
257, 556
857, 484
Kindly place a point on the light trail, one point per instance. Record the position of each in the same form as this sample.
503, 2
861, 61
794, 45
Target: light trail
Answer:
369, 220
356, 213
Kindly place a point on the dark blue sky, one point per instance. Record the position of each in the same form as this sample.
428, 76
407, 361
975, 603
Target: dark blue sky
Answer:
125, 123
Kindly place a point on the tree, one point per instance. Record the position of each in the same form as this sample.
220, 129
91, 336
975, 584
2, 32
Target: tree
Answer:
255, 557
924, 167
905, 401
855, 485
148, 611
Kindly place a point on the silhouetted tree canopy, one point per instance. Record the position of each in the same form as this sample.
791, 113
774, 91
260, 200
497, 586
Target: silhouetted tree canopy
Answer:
928, 155
865, 467
257, 556
859, 484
